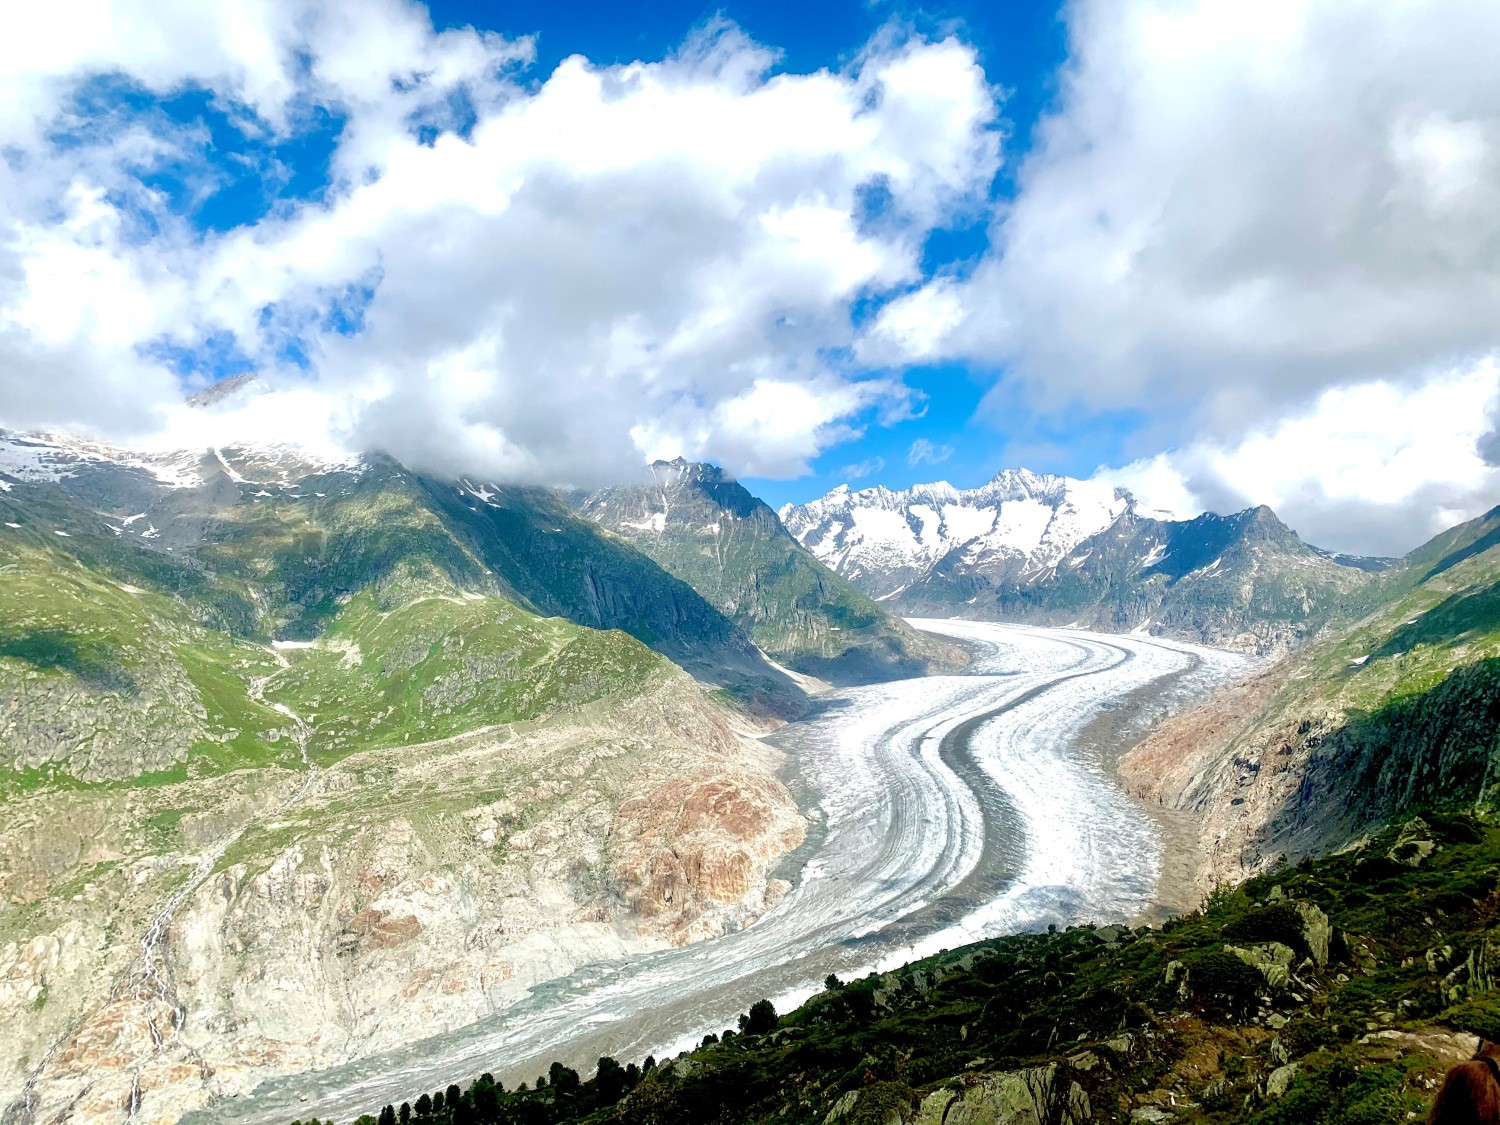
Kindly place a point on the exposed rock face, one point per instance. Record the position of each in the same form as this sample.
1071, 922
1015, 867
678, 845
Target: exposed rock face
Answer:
1317, 931
698, 845
417, 887
104, 731
1372, 722
1271, 959
1054, 551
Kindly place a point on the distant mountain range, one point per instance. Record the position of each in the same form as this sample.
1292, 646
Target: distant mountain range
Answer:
1053, 550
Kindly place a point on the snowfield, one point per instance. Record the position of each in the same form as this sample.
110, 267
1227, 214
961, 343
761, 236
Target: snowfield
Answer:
945, 810
886, 539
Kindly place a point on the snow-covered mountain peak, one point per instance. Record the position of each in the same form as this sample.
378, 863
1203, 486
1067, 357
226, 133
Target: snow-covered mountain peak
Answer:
54, 456
887, 539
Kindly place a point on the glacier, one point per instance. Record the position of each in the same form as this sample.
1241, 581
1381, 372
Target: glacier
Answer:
943, 810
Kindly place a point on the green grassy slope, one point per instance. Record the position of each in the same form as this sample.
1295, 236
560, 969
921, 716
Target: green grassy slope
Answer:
123, 663
1434, 616
1402, 707
1395, 708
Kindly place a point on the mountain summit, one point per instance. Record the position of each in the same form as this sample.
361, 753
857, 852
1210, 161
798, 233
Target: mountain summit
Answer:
1017, 523
1053, 550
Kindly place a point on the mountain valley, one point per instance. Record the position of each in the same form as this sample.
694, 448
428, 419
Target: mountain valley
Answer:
714, 535
274, 727
307, 758
1343, 955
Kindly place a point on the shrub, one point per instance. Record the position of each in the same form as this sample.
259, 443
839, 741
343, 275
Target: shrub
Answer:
1481, 1016
760, 1019
1278, 922
563, 1079
1224, 983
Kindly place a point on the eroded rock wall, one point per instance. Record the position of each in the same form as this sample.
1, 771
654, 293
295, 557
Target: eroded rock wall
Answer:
416, 887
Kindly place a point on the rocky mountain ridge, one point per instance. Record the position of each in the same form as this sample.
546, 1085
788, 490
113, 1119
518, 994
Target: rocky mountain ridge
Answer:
1017, 523
1051, 550
1389, 712
709, 531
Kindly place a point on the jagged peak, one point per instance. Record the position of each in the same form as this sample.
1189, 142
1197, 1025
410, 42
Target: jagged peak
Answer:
681, 472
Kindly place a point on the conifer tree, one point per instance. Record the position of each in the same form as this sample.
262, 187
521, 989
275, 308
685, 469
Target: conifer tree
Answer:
609, 1081
564, 1079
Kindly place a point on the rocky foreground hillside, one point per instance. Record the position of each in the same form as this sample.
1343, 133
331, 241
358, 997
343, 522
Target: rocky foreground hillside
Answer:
1398, 710
732, 548
1050, 550
294, 752
1332, 993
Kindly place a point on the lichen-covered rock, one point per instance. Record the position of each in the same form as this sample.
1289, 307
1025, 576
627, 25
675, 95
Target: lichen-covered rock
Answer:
880, 1103
1414, 845
1042, 1095
1317, 931
842, 1109
1279, 1080
1272, 959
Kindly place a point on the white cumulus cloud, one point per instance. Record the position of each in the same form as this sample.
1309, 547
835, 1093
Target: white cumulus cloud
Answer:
925, 452
609, 264
1235, 208
1370, 468
861, 469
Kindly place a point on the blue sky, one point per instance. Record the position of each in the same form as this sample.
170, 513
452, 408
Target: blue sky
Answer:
1220, 254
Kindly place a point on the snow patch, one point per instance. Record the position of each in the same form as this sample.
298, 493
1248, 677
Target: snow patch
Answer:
657, 521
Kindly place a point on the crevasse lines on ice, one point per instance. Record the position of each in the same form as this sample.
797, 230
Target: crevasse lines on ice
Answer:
1091, 854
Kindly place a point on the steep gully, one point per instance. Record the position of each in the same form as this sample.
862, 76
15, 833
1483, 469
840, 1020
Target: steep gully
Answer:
151, 984
944, 810
149, 980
